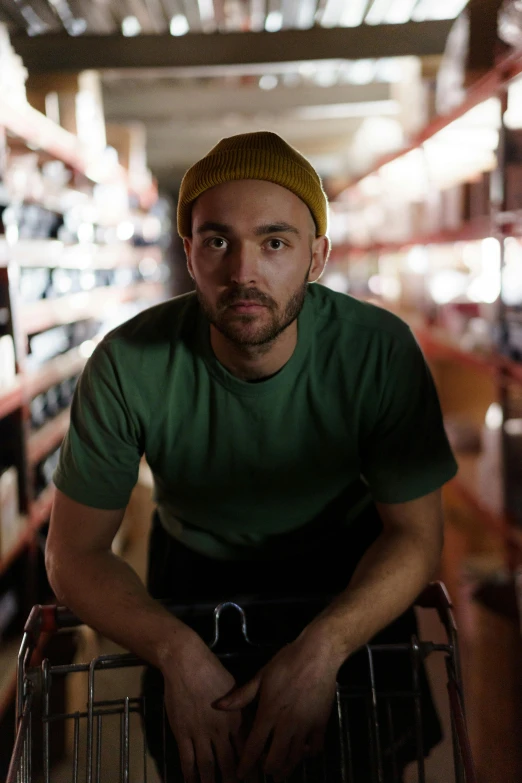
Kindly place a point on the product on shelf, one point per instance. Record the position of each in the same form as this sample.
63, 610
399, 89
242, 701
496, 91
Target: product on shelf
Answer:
7, 361
46, 345
10, 520
44, 471
48, 404
74, 101
13, 75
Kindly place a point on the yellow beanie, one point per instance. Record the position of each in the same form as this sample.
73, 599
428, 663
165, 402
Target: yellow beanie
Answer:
262, 155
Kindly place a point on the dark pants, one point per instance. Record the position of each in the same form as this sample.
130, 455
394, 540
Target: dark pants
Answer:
180, 575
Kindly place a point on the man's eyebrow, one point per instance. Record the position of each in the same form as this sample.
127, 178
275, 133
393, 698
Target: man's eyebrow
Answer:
276, 228
209, 225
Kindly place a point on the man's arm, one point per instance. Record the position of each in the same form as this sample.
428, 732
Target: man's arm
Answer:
100, 587
389, 577
296, 689
108, 595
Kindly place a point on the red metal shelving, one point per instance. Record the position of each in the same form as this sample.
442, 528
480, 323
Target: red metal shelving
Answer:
46, 313
47, 438
38, 131
507, 68
481, 228
11, 398
40, 508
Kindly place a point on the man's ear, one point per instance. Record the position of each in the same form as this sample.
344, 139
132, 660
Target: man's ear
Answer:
320, 253
187, 245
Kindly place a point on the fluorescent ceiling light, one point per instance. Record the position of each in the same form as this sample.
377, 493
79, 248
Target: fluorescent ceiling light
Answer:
274, 22
378, 11
332, 13
305, 14
430, 10
206, 10
179, 25
130, 26
346, 110
268, 81
400, 11
353, 13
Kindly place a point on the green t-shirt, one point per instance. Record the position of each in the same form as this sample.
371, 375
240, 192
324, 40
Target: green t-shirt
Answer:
352, 416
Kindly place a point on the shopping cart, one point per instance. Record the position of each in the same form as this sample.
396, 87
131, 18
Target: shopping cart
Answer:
364, 699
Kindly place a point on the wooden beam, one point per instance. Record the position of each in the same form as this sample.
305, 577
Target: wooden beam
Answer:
123, 103
62, 52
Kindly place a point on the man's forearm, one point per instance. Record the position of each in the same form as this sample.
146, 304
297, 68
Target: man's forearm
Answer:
108, 595
392, 573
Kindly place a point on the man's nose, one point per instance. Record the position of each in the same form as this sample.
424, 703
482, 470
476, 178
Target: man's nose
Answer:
243, 263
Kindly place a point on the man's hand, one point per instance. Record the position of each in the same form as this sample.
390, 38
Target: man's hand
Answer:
194, 680
295, 692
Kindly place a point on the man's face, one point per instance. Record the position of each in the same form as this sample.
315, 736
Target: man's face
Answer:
252, 252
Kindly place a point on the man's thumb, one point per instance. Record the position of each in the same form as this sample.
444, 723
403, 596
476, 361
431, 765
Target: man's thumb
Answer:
239, 698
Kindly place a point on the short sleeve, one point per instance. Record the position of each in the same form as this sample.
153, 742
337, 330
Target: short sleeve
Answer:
405, 454
100, 455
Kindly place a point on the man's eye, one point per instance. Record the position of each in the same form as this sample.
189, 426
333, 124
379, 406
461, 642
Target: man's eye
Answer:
217, 243
275, 244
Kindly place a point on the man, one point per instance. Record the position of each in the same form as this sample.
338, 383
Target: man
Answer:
297, 446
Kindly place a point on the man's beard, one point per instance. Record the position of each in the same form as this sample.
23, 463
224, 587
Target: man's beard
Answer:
235, 327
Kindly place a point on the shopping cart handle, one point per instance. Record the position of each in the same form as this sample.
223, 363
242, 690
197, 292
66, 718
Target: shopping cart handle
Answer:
49, 619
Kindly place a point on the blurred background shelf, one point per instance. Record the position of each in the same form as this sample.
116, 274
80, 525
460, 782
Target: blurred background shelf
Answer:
8, 659
45, 314
47, 438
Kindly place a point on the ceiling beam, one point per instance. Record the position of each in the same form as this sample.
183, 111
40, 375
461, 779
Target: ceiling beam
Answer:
158, 101
64, 53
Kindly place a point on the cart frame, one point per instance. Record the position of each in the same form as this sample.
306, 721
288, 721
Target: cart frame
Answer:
33, 688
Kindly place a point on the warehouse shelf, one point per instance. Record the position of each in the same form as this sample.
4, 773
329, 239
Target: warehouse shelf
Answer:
39, 512
475, 230
53, 253
40, 508
47, 438
507, 68
46, 313
38, 131
11, 398
8, 663
437, 344
56, 370
18, 547
466, 485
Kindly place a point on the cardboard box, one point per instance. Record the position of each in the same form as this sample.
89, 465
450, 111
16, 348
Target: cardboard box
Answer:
130, 142
74, 101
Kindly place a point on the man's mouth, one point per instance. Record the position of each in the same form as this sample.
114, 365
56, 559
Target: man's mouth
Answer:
246, 306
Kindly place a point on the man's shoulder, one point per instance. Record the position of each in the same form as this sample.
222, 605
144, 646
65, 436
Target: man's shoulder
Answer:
342, 313
161, 325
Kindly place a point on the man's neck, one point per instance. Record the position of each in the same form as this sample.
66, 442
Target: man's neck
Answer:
254, 363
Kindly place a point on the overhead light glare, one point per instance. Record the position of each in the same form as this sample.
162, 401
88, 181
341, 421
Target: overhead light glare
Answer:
130, 27
353, 13
432, 10
274, 22
206, 10
346, 110
179, 25
378, 11
268, 81
331, 14
400, 11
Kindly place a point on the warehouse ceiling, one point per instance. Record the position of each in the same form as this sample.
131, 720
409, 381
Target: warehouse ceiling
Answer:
338, 78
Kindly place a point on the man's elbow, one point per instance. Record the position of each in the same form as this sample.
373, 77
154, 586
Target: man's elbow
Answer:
56, 567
